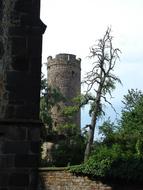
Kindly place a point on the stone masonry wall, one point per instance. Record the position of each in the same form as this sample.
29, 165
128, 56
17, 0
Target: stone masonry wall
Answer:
20, 68
19, 155
63, 180
20, 58
64, 74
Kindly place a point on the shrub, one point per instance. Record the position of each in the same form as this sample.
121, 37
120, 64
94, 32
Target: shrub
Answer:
112, 163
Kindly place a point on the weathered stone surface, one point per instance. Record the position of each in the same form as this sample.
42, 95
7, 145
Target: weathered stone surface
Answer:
15, 147
63, 180
1, 49
20, 67
64, 74
19, 154
30, 161
20, 45
19, 179
35, 147
6, 161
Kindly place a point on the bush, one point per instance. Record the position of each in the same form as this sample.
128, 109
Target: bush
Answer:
68, 152
112, 163
99, 162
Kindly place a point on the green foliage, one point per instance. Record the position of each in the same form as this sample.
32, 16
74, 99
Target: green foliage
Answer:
77, 102
120, 153
99, 162
129, 169
44, 112
108, 131
49, 98
70, 110
69, 151
69, 145
131, 99
132, 121
43, 84
112, 163
68, 129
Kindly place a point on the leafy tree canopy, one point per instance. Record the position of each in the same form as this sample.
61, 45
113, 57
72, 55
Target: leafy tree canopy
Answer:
120, 154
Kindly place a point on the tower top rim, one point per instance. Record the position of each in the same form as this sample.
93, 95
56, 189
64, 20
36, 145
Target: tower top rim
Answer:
64, 56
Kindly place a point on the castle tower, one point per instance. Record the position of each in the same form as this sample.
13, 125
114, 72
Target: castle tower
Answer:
64, 74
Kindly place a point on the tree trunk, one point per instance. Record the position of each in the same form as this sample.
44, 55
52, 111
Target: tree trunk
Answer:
93, 124
90, 137
89, 143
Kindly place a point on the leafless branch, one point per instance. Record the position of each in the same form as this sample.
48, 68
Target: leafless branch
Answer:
100, 79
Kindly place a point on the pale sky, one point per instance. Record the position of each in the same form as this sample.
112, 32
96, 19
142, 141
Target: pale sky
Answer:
74, 25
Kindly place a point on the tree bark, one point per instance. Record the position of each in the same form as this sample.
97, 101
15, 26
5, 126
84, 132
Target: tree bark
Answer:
93, 121
89, 143
90, 136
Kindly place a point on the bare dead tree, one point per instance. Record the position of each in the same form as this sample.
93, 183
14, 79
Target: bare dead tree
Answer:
100, 81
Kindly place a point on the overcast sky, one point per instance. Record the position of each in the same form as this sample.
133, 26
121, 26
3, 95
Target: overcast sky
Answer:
74, 25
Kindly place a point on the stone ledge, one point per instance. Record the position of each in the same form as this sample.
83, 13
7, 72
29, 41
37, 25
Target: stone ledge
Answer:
52, 169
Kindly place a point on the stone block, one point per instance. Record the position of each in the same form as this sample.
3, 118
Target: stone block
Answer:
33, 179
1, 49
6, 161
1, 4
23, 6
15, 78
19, 179
35, 147
20, 63
26, 161
9, 113
17, 188
34, 133
15, 19
15, 147
1, 30
26, 20
4, 179
35, 70
27, 111
17, 133
19, 46
17, 31
2, 131
35, 42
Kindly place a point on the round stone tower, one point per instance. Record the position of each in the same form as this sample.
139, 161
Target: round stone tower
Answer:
64, 74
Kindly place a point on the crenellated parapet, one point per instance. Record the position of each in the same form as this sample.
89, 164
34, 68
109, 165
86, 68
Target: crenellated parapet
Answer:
64, 59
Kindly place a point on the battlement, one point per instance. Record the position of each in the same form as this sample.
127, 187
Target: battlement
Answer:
68, 57
64, 58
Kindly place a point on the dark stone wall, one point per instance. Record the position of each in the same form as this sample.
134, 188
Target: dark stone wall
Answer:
20, 68
20, 58
19, 155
